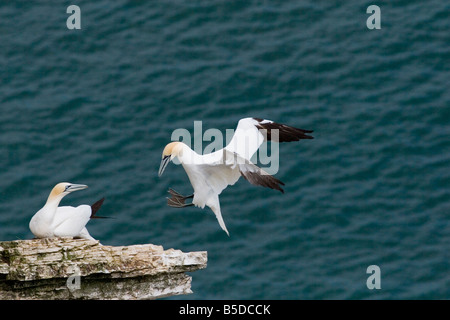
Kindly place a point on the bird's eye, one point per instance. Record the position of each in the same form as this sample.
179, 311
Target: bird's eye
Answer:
67, 187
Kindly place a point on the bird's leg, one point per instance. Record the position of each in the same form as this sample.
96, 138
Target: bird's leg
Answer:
177, 200
177, 195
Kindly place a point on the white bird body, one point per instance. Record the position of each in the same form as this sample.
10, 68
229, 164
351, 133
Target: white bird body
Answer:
54, 221
210, 174
62, 222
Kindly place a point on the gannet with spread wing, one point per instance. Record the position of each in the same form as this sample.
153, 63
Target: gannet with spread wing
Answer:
211, 173
54, 221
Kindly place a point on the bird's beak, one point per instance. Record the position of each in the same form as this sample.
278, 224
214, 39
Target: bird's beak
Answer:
164, 162
76, 187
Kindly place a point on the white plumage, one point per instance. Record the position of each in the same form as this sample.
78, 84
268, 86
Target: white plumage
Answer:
54, 221
210, 174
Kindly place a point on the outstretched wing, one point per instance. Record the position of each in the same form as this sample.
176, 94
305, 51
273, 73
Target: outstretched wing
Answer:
252, 132
258, 177
251, 172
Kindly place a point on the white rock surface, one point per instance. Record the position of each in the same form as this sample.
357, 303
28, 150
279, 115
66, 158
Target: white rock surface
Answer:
66, 268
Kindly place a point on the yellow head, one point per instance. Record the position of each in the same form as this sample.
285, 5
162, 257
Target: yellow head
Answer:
64, 188
171, 151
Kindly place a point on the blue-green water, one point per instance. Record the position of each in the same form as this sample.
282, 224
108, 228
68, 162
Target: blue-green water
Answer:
97, 105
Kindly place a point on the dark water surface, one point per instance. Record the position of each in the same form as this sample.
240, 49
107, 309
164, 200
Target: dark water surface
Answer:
97, 106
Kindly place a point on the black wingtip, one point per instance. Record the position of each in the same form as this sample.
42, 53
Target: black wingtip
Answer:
263, 180
95, 207
285, 133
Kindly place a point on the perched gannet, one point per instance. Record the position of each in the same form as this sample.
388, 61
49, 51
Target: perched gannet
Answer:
53, 221
211, 173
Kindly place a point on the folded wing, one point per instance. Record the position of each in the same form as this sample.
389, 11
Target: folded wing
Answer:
70, 221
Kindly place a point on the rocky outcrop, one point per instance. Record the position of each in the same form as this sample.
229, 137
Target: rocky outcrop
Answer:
66, 268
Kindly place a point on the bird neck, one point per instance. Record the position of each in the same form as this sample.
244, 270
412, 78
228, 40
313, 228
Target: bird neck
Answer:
45, 216
53, 202
188, 156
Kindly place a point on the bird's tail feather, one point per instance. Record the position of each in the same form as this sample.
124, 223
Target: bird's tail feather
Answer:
216, 210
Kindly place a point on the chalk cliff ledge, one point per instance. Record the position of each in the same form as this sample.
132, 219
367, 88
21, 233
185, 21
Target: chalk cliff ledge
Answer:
67, 268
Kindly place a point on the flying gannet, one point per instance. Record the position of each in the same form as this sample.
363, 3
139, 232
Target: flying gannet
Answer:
53, 221
211, 173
